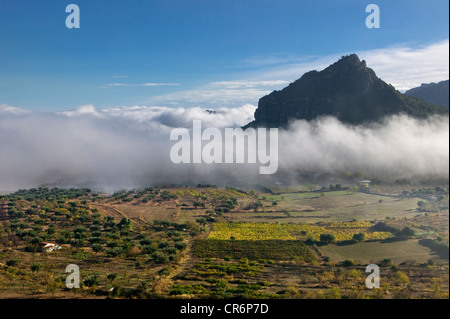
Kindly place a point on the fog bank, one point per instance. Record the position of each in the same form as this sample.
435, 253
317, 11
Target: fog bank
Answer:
126, 147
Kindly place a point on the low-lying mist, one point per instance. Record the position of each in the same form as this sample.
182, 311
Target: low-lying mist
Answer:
127, 147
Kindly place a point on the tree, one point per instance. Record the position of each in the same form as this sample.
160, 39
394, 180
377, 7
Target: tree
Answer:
274, 203
125, 224
258, 205
327, 238
160, 257
111, 277
358, 237
407, 232
97, 248
113, 252
180, 246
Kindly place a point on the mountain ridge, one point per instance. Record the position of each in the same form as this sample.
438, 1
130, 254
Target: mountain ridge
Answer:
347, 90
436, 93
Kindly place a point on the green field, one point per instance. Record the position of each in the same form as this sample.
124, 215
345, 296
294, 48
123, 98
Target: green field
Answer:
253, 249
373, 252
330, 206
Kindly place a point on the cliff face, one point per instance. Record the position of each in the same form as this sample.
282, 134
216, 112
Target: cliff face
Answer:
346, 89
436, 93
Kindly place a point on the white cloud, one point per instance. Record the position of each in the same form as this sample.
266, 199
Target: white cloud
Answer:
138, 84
163, 119
87, 109
247, 84
405, 67
211, 97
8, 109
272, 60
216, 94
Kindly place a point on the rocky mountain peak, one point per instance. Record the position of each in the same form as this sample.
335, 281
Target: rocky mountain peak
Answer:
347, 90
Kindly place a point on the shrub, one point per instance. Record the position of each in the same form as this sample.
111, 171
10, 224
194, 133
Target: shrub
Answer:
171, 250
91, 281
407, 232
97, 248
348, 263
180, 246
95, 227
163, 244
160, 257
142, 286
80, 229
35, 266
386, 262
95, 240
113, 252
147, 249
96, 233
112, 244
12, 262
145, 242
358, 237
327, 238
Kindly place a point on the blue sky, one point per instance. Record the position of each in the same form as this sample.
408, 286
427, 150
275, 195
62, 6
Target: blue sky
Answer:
213, 52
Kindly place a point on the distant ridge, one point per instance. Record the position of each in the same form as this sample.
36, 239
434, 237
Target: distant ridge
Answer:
436, 93
347, 90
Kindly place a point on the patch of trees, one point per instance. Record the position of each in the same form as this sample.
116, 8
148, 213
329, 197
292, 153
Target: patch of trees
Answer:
438, 192
228, 188
383, 227
166, 195
44, 193
326, 239
165, 224
68, 222
206, 186
439, 247
147, 194
405, 233
226, 204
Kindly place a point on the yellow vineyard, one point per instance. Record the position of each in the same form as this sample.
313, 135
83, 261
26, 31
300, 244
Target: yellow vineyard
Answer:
272, 231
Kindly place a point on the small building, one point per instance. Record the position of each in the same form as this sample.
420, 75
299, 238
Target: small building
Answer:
48, 247
364, 185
